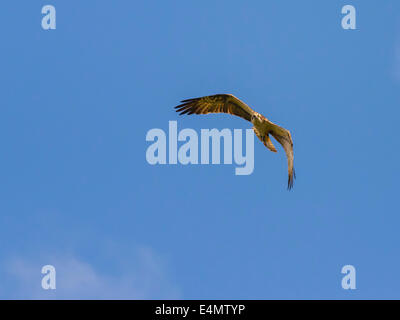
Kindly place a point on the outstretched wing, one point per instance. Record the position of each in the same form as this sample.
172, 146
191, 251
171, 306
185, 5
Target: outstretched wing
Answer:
285, 139
218, 103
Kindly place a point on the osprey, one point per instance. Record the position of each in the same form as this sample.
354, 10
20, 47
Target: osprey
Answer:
228, 103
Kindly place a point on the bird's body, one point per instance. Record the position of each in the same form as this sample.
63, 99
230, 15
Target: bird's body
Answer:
263, 128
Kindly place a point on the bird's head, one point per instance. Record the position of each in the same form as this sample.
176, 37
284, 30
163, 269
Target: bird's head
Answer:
254, 118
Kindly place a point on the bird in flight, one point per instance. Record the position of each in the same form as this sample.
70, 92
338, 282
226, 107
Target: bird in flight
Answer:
263, 128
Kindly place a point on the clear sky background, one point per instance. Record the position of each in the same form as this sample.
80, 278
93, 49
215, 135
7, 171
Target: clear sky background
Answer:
77, 192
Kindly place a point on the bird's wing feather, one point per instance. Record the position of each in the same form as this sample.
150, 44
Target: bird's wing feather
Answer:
285, 139
218, 103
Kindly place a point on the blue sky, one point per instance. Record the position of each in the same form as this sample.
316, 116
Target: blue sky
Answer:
78, 193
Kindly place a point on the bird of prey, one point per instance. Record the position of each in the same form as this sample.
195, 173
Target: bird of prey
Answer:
228, 103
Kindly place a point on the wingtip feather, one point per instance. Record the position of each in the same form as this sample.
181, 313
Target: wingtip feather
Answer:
291, 179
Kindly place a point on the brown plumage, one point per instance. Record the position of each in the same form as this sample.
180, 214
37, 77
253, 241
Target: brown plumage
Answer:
227, 103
